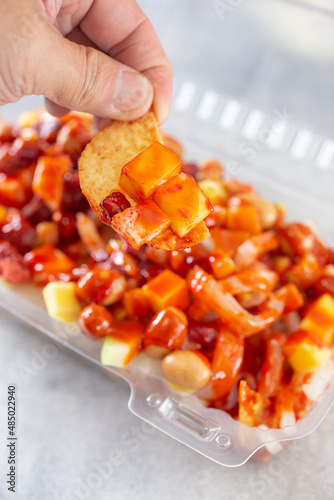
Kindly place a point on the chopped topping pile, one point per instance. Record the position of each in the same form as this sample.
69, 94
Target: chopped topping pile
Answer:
244, 318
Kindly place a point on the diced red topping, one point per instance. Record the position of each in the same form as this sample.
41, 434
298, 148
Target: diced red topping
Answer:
13, 267
204, 334
20, 232
114, 204
36, 211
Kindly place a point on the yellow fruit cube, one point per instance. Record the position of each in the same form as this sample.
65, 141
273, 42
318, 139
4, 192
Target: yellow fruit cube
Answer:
167, 289
307, 356
115, 352
214, 191
140, 176
60, 301
222, 264
319, 319
184, 202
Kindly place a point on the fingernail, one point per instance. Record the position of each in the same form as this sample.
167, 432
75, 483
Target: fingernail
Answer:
132, 91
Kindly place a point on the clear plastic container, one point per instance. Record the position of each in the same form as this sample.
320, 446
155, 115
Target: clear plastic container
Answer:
268, 128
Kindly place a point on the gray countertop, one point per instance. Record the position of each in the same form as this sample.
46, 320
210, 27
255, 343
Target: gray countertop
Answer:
76, 438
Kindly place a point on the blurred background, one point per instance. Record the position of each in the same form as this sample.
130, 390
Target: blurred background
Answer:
272, 53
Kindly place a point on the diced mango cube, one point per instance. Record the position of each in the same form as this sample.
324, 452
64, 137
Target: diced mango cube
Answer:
305, 351
268, 211
184, 202
307, 356
167, 289
168, 328
60, 301
48, 181
136, 303
115, 353
122, 345
214, 190
244, 218
46, 262
141, 176
227, 240
222, 264
319, 319
141, 223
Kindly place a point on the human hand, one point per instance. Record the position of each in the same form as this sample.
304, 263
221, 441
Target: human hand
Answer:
98, 56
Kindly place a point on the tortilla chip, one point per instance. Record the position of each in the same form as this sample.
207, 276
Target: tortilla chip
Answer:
103, 158
100, 168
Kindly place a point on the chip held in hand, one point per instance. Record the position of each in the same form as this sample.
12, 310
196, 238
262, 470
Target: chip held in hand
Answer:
133, 182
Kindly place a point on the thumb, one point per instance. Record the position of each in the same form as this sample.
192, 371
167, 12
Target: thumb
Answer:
83, 78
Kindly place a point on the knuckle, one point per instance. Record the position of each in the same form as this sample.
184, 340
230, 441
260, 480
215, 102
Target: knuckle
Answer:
20, 39
12, 80
18, 60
